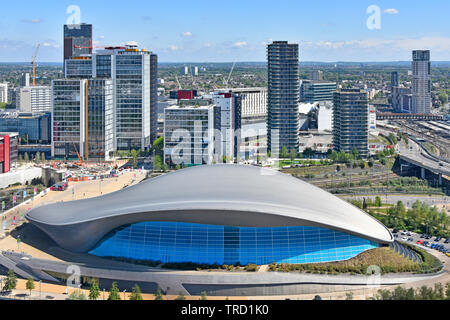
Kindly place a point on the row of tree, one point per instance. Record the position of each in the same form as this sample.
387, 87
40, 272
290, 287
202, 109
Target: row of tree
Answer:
39, 158
94, 290
422, 293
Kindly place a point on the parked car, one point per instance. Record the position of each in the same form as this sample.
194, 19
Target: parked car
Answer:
408, 234
447, 240
433, 245
404, 239
438, 238
395, 231
403, 233
396, 235
62, 186
410, 239
419, 242
422, 236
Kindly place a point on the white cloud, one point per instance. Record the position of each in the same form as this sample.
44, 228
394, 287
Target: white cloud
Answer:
186, 34
32, 21
101, 37
240, 44
375, 49
391, 11
173, 47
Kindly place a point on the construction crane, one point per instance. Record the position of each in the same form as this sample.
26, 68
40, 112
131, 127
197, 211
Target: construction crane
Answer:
229, 77
179, 84
33, 63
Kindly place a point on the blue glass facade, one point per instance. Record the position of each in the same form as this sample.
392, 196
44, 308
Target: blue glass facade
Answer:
171, 242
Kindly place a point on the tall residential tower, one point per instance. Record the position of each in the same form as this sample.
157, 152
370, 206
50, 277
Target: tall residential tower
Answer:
351, 121
421, 84
283, 96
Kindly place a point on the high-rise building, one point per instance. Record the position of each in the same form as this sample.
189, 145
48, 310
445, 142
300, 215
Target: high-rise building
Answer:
394, 79
3, 93
283, 96
317, 91
185, 70
25, 80
83, 119
34, 99
402, 99
135, 78
350, 121
316, 75
254, 101
77, 40
189, 134
230, 106
78, 68
421, 82
194, 71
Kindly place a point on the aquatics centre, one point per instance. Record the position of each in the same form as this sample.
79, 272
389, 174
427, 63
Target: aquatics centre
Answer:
219, 214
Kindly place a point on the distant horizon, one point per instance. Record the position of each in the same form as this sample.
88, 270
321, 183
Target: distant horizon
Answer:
326, 30
255, 62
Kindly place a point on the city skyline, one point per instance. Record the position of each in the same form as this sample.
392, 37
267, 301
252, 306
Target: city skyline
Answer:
339, 33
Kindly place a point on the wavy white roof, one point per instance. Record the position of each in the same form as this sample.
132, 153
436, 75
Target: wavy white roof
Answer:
232, 195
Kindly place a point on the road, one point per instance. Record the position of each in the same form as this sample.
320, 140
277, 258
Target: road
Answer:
414, 153
407, 199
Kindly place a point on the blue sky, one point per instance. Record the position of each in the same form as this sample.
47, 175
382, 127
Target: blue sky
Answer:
233, 30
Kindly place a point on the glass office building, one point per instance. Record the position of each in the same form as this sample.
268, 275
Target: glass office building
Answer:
100, 119
173, 242
83, 119
317, 91
35, 128
77, 40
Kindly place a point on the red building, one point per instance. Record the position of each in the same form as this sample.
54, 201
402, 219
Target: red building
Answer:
8, 150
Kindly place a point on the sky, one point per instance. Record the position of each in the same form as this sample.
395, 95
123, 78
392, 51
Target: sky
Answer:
233, 30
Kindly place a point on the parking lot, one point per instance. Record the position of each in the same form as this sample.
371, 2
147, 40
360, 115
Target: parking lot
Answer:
422, 241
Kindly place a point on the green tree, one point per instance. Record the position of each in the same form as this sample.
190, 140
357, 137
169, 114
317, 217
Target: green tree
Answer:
180, 297
94, 290
159, 295
443, 98
38, 157
293, 154
158, 146
204, 296
114, 292
30, 284
11, 281
355, 153
26, 158
349, 296
378, 202
136, 294
284, 153
77, 295
157, 166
